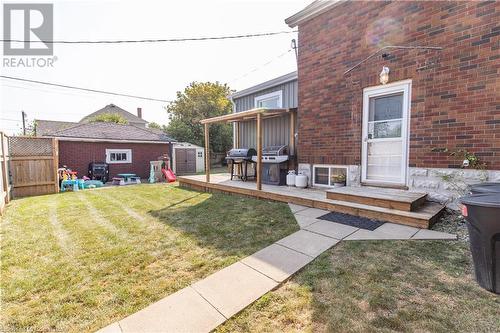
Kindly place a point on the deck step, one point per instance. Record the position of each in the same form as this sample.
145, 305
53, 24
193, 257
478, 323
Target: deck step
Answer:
380, 197
423, 217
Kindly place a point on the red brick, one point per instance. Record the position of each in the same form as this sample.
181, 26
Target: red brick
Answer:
455, 96
78, 155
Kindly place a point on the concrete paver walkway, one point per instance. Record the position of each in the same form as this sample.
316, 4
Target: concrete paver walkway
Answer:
277, 262
208, 303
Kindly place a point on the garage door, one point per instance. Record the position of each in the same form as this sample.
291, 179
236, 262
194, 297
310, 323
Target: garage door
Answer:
185, 161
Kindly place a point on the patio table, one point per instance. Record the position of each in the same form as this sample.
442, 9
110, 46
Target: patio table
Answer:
126, 176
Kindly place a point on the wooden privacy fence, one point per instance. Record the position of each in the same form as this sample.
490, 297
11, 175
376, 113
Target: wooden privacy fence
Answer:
33, 165
4, 172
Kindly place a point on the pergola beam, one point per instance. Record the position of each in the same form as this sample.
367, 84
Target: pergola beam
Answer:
246, 115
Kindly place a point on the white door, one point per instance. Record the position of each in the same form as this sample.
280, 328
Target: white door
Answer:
385, 134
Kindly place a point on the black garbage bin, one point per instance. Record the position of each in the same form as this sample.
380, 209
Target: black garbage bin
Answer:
482, 212
489, 187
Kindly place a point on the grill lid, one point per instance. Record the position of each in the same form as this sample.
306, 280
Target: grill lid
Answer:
242, 152
275, 150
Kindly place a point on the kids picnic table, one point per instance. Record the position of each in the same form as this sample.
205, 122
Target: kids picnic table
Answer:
127, 178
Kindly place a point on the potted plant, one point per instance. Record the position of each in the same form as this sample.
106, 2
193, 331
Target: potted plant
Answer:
338, 180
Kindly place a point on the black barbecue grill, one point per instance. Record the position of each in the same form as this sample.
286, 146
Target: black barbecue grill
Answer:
241, 156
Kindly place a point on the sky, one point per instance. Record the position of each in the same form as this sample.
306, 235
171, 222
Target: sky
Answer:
156, 70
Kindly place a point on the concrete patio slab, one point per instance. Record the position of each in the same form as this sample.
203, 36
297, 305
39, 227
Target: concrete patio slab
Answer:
363, 234
233, 288
296, 208
304, 221
312, 212
277, 262
397, 230
183, 311
386, 231
331, 229
113, 328
308, 243
431, 234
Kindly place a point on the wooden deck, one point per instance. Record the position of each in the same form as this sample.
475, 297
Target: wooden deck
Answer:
422, 216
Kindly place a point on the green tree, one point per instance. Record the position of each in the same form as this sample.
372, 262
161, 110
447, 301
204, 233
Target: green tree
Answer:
155, 125
198, 101
108, 118
31, 128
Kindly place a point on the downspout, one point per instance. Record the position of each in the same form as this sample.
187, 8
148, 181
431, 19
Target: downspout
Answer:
234, 124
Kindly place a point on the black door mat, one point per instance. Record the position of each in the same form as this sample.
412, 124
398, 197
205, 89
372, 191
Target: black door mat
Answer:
353, 221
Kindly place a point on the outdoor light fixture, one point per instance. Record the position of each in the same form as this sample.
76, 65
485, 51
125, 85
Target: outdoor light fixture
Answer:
384, 75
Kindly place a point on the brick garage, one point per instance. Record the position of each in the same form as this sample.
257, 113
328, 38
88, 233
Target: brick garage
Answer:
455, 102
78, 154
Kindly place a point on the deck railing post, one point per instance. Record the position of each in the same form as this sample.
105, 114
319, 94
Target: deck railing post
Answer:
259, 151
207, 154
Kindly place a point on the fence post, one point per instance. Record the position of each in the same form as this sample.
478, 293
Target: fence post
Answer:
55, 161
5, 170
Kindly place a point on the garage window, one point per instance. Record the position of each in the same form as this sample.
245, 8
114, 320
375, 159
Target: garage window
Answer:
117, 156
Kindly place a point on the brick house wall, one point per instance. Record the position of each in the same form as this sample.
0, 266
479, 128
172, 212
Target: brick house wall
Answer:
78, 155
455, 98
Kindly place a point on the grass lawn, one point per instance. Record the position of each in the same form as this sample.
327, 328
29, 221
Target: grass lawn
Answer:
79, 261
378, 286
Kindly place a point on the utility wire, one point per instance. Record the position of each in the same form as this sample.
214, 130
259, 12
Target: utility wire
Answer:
83, 89
260, 67
149, 40
52, 90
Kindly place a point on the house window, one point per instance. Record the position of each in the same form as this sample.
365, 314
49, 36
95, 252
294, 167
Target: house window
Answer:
200, 154
116, 156
325, 175
271, 100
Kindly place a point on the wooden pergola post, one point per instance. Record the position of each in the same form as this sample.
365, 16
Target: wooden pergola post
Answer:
259, 151
237, 144
207, 154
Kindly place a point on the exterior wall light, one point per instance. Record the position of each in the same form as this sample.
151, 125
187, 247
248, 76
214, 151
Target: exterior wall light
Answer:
384, 75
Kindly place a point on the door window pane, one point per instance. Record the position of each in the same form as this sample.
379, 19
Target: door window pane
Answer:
384, 160
384, 129
386, 107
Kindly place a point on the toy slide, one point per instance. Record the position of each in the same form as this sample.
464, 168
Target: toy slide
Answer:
169, 175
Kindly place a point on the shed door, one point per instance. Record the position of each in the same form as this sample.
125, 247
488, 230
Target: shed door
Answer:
185, 160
